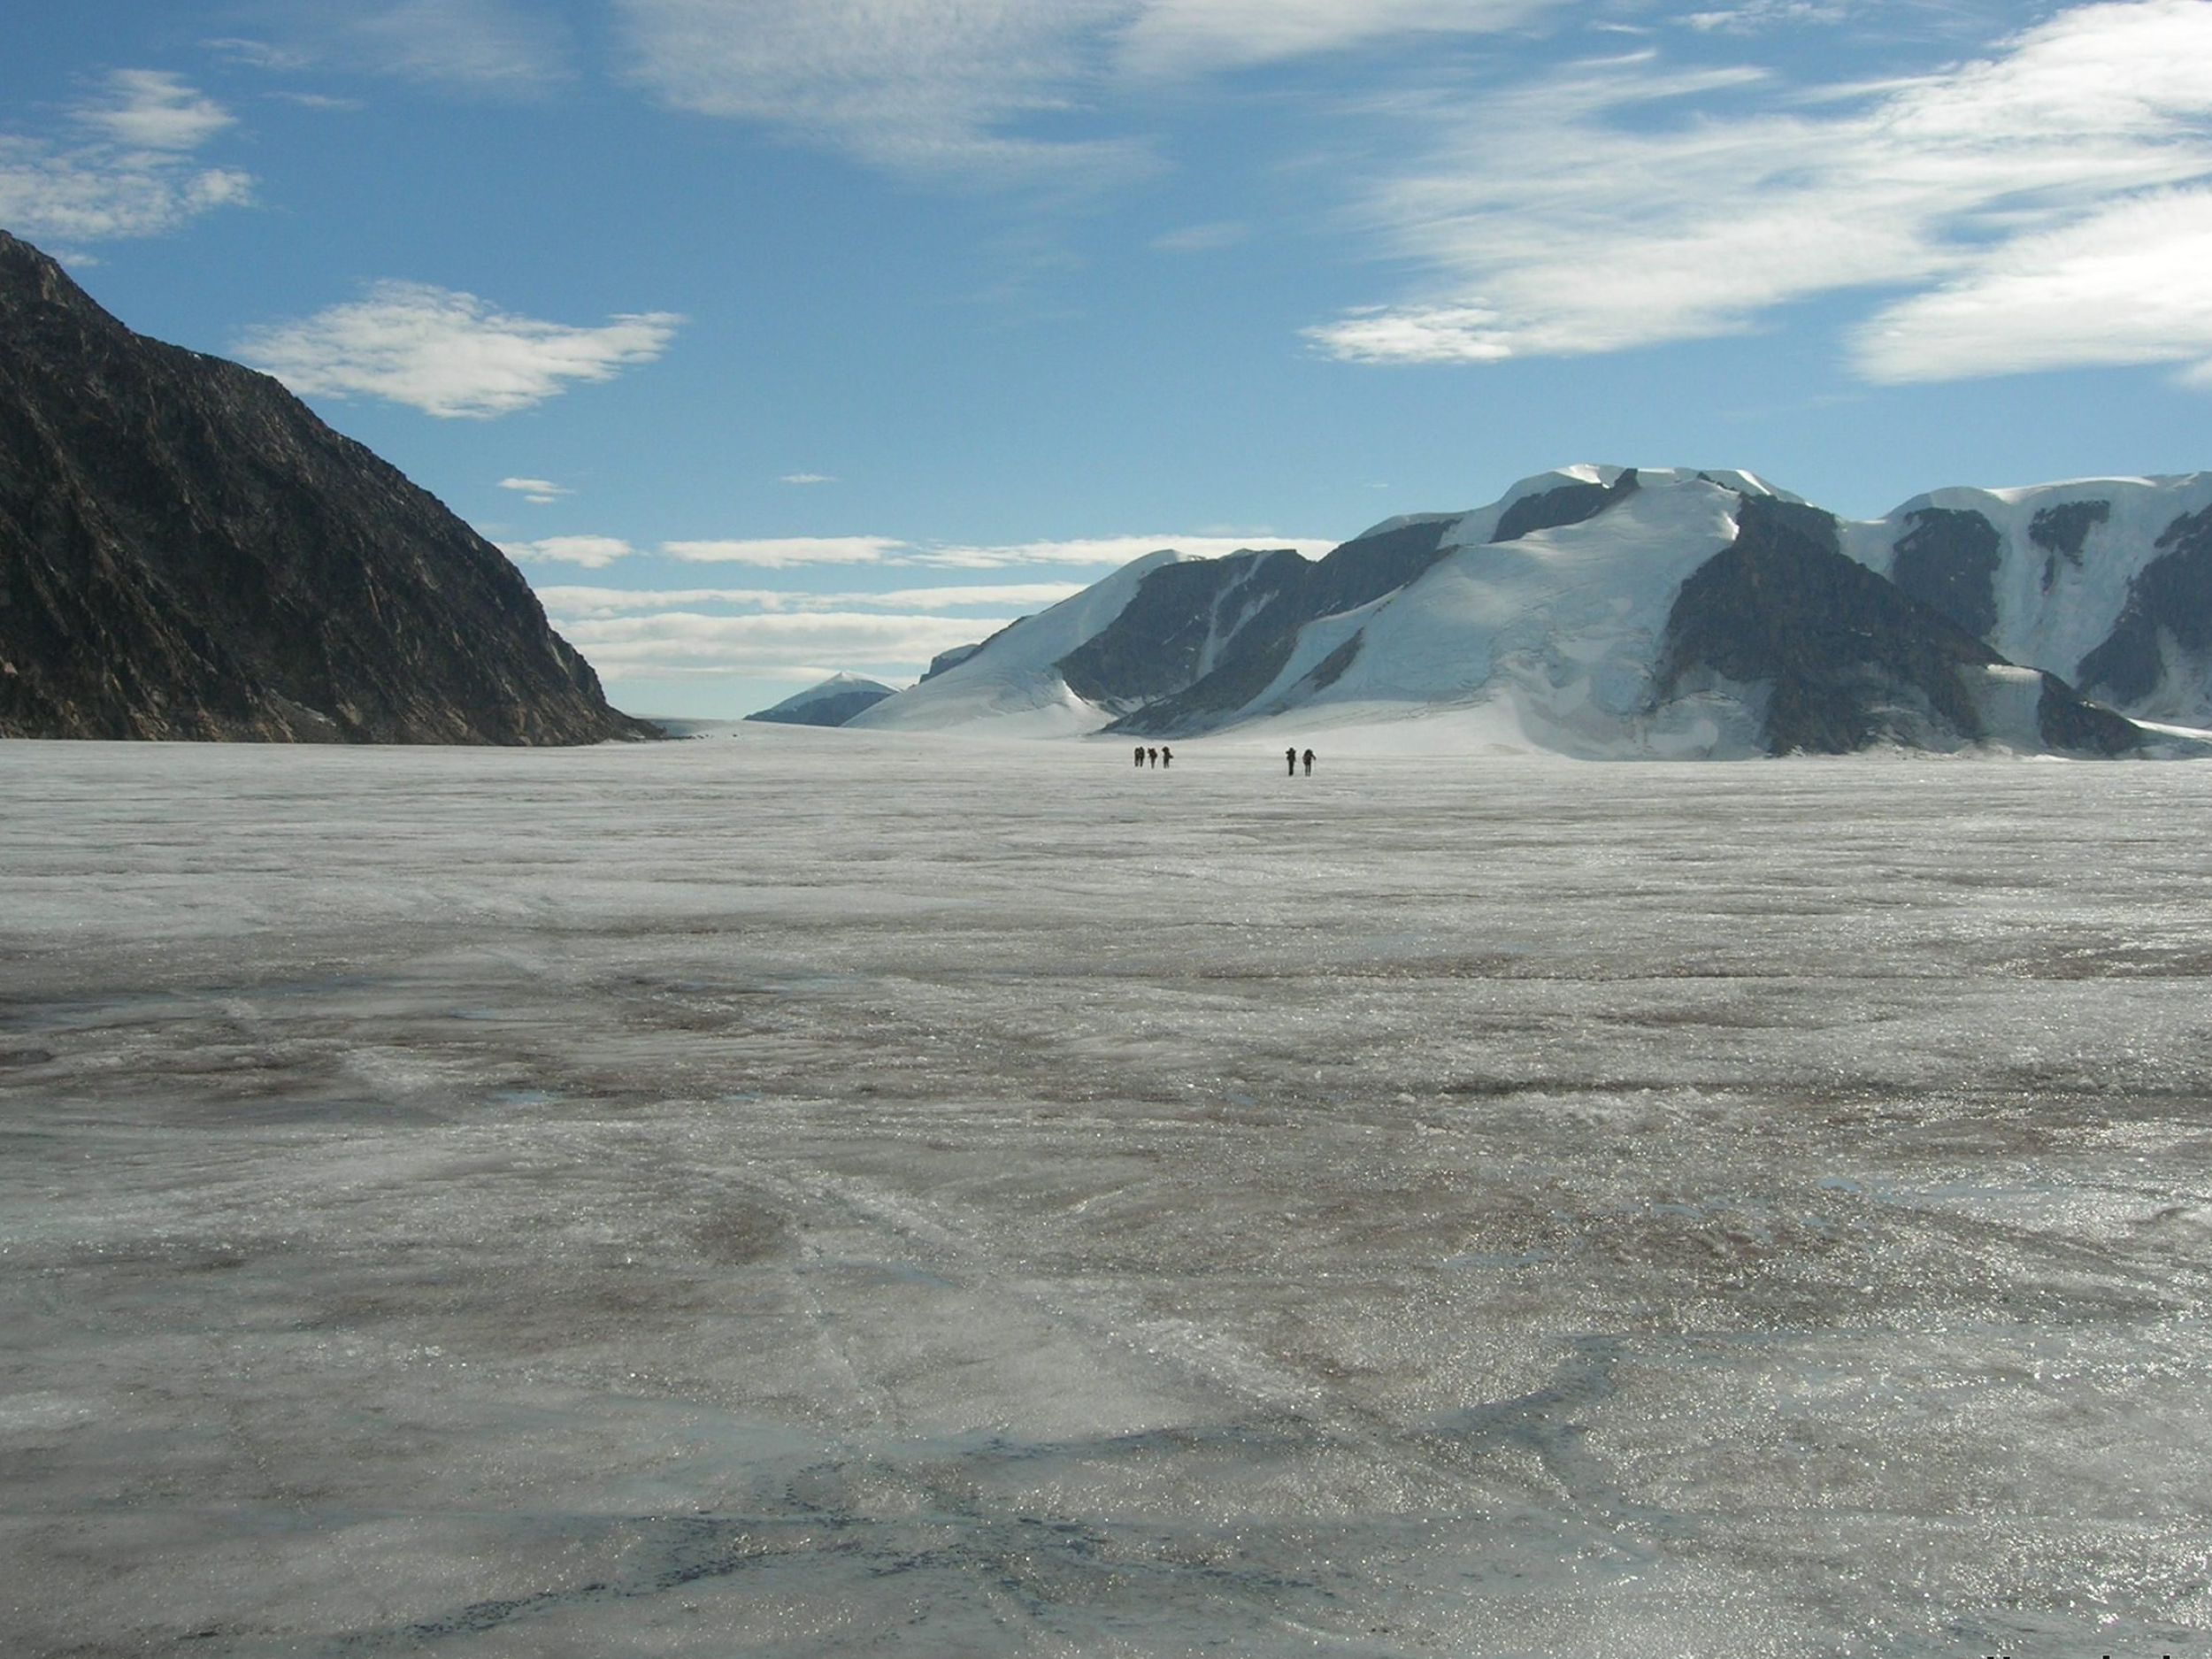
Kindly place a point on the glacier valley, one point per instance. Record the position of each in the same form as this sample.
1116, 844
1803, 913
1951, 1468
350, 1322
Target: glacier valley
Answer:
813, 1192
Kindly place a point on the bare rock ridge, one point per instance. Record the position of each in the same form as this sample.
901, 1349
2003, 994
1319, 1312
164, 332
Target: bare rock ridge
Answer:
1849, 660
186, 551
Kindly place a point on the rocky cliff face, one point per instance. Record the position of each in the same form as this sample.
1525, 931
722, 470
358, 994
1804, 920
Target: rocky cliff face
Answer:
1848, 660
2106, 583
186, 551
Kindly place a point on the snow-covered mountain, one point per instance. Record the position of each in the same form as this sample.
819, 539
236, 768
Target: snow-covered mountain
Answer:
2105, 582
1616, 612
833, 701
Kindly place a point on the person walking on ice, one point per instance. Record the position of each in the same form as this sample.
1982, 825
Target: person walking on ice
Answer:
1141, 754
1167, 757
1308, 763
1290, 757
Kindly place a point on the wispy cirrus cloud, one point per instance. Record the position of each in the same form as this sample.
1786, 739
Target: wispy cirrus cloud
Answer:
986, 87
149, 109
502, 47
1192, 36
130, 173
684, 643
786, 552
917, 85
448, 353
1617, 205
614, 602
1754, 15
2112, 288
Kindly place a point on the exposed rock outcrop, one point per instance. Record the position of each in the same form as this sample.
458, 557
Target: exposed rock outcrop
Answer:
1846, 659
187, 551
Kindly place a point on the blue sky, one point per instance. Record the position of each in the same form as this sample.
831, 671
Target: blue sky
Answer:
774, 337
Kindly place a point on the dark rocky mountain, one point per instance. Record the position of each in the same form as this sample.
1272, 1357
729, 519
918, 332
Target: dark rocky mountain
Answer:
2164, 628
831, 703
186, 551
1849, 660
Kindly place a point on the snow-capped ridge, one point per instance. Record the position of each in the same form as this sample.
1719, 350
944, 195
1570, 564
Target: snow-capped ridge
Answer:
1560, 618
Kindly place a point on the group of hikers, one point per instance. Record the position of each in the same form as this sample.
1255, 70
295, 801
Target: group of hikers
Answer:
1165, 756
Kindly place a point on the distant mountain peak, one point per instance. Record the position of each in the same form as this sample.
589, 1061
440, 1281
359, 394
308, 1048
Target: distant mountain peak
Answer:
831, 701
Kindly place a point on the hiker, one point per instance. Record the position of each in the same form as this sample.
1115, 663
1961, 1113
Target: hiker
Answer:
1167, 757
1141, 754
1291, 757
1308, 763
1154, 755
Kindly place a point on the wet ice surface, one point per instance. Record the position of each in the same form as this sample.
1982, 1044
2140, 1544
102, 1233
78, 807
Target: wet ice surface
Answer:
811, 1195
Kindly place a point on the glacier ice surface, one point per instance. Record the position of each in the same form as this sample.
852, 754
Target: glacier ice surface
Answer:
820, 1192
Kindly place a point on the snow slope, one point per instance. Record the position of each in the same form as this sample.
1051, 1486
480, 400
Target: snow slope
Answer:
1011, 682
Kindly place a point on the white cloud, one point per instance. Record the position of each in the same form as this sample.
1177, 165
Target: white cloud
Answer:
868, 552
542, 491
1613, 206
682, 644
135, 177
592, 552
806, 478
1418, 334
780, 553
151, 109
1108, 550
613, 601
2110, 289
448, 353
1021, 596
